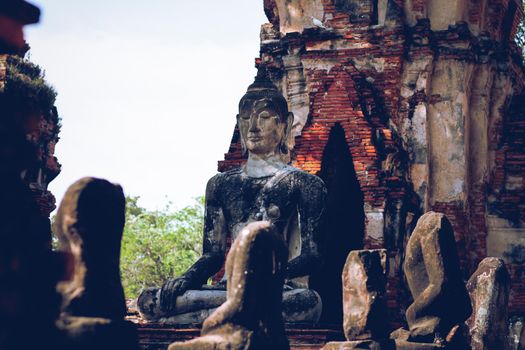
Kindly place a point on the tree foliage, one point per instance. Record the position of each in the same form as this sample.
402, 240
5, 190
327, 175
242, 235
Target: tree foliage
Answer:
158, 245
26, 88
520, 35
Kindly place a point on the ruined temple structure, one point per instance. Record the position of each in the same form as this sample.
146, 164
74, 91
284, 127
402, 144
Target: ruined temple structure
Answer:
27, 104
403, 107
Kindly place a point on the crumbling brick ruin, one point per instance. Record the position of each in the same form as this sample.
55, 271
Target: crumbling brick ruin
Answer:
30, 115
404, 107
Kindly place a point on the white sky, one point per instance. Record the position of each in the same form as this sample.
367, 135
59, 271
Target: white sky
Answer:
148, 89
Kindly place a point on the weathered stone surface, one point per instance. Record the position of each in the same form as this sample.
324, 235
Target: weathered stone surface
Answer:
441, 301
89, 225
364, 292
264, 188
251, 317
489, 291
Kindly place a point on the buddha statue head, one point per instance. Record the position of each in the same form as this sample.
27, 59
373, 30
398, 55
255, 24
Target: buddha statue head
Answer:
264, 120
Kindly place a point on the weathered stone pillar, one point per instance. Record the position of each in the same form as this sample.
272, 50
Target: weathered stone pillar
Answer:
446, 124
489, 291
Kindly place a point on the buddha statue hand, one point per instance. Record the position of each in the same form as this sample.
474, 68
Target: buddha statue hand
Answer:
170, 291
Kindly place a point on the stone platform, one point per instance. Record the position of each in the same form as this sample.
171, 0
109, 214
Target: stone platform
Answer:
158, 336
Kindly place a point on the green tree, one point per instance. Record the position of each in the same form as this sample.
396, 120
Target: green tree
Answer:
158, 245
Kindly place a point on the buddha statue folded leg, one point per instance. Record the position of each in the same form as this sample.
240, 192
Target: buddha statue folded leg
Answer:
302, 305
194, 306
191, 307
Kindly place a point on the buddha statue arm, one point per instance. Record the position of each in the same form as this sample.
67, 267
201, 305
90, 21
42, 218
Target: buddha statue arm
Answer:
213, 251
311, 202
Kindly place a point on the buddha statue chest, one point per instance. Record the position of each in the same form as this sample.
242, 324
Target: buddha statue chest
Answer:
244, 199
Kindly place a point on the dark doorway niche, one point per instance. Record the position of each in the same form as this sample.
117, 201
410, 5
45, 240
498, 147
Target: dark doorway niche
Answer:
343, 228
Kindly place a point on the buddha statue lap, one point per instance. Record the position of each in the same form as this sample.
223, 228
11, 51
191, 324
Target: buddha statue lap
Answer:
265, 188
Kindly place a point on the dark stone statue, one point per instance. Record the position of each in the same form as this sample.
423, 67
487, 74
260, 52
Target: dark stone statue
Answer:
441, 301
89, 226
251, 317
265, 188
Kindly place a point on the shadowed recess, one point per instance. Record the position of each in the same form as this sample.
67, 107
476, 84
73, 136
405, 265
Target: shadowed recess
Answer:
343, 228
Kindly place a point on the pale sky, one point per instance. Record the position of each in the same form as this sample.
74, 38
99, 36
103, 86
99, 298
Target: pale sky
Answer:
147, 90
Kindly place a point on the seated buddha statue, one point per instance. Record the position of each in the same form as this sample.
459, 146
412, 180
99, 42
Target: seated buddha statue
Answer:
265, 188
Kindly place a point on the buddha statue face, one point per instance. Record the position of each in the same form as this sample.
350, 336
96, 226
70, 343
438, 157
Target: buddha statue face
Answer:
263, 120
262, 128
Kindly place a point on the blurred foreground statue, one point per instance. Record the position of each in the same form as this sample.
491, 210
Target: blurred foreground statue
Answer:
441, 302
89, 226
251, 318
265, 188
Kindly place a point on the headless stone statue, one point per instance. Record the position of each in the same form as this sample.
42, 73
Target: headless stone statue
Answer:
364, 302
89, 226
489, 288
265, 188
441, 302
251, 318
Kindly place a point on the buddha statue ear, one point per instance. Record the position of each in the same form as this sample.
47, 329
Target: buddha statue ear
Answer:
243, 142
285, 142
287, 134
